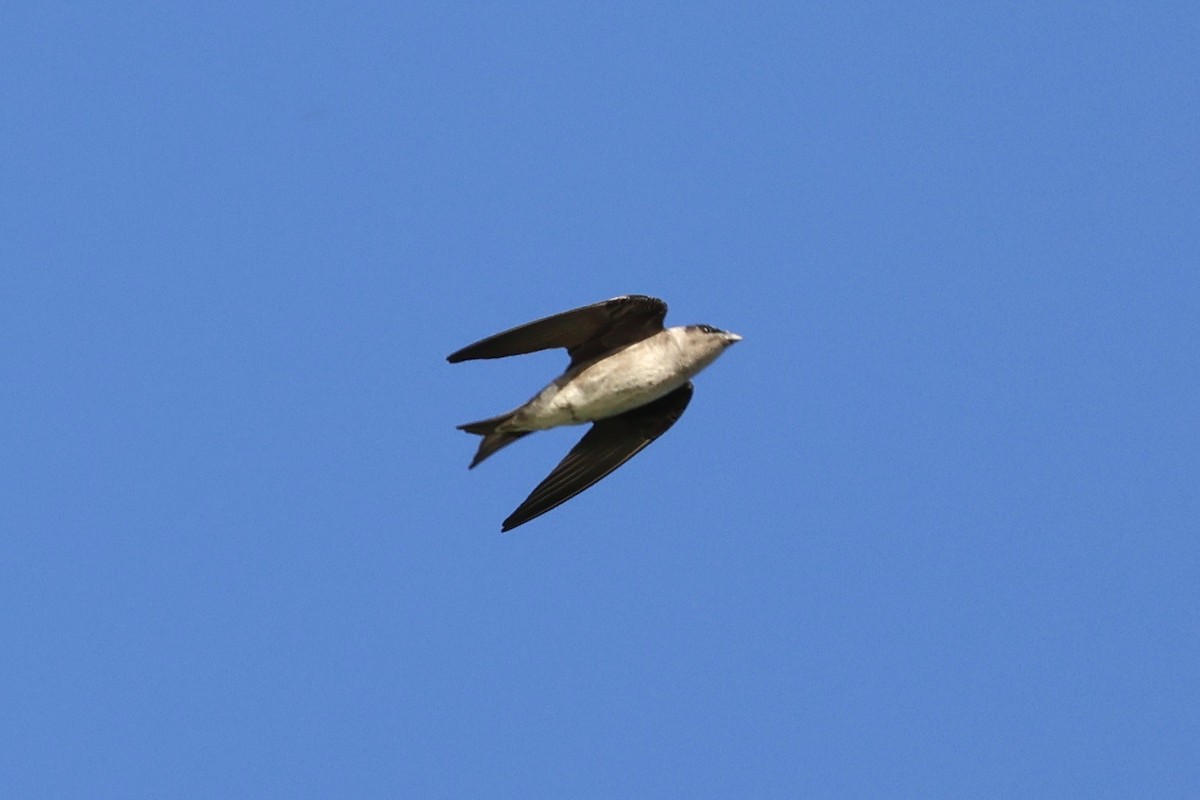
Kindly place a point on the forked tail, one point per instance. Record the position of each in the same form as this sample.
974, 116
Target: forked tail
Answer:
493, 440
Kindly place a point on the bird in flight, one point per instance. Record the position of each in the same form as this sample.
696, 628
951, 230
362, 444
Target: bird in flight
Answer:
629, 376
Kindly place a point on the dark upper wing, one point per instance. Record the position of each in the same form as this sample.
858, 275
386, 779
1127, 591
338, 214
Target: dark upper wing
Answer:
586, 332
609, 444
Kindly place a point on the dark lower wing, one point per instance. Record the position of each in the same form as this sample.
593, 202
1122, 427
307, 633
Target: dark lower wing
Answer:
609, 444
585, 332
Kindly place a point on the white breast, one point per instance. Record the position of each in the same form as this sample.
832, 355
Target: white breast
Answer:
639, 374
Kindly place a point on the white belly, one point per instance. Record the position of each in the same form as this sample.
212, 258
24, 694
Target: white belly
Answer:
636, 376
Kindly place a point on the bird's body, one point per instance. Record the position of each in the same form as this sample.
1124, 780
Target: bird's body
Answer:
628, 376
618, 382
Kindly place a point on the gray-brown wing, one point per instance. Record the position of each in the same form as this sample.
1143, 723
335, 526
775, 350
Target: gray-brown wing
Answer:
586, 332
609, 444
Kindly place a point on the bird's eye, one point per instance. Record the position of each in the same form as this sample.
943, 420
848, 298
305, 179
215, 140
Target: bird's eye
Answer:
708, 329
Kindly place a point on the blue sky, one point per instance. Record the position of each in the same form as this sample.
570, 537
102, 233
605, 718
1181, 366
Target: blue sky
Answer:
929, 531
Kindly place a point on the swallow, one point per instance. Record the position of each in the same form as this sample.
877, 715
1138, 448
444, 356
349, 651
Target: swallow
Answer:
628, 376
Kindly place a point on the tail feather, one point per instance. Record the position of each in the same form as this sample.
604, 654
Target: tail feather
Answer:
493, 440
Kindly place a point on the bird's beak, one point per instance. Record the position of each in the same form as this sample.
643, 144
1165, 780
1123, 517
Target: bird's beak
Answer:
731, 337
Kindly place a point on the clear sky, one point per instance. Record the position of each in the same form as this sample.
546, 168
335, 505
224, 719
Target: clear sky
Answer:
931, 530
